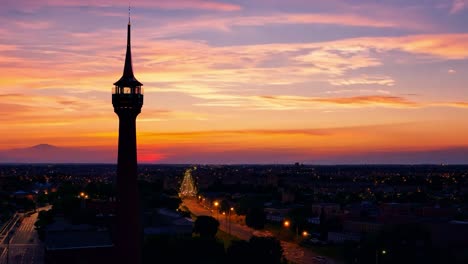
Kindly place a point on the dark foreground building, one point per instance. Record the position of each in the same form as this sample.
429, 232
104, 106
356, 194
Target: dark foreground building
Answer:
75, 244
127, 99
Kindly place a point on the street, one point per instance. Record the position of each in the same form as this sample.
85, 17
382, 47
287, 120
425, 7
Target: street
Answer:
25, 246
293, 252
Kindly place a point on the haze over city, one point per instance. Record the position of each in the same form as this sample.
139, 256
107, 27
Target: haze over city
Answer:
238, 81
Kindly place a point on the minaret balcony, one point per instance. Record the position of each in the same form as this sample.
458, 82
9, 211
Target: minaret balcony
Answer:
128, 90
127, 97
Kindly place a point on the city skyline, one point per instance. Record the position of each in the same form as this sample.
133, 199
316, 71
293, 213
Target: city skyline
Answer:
233, 82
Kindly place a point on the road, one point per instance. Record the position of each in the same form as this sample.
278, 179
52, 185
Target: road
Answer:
293, 252
25, 246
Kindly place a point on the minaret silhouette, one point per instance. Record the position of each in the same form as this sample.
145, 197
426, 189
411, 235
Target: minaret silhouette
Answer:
127, 99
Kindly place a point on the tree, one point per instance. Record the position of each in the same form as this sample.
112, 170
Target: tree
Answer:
299, 217
323, 225
44, 218
247, 202
182, 249
255, 218
256, 250
239, 252
266, 250
206, 226
403, 243
224, 206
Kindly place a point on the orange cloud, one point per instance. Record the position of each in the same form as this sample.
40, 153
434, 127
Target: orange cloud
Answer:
363, 79
357, 101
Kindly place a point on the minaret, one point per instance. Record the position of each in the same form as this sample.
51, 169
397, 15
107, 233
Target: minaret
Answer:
127, 98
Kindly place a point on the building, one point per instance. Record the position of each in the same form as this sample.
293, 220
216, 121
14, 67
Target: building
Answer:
67, 243
361, 227
167, 222
127, 99
397, 213
341, 237
330, 209
276, 214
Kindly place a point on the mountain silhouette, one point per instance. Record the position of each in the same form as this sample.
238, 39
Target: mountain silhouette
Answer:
43, 147
46, 153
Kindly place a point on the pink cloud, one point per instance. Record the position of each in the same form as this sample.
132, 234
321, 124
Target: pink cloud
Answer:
458, 6
163, 4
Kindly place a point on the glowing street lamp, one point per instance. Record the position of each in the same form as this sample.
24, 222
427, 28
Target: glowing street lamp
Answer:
230, 223
216, 204
377, 253
225, 219
83, 197
287, 224
305, 234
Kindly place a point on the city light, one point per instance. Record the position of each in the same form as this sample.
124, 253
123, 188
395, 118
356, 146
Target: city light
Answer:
286, 223
188, 187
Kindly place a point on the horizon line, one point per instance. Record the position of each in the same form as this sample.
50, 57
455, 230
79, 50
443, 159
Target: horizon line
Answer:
239, 164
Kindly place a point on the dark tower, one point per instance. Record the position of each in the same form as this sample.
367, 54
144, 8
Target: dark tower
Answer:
127, 98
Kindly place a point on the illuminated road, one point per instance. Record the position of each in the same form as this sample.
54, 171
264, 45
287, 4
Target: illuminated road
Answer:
292, 251
25, 246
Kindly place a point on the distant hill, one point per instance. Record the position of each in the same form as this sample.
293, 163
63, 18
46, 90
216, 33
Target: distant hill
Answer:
46, 153
436, 156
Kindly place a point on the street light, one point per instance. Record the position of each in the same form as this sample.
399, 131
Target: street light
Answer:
83, 196
230, 222
287, 224
216, 204
225, 220
383, 252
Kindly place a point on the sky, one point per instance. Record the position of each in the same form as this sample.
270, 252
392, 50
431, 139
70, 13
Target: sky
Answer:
241, 81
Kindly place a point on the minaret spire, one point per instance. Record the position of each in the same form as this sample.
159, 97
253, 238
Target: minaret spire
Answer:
128, 79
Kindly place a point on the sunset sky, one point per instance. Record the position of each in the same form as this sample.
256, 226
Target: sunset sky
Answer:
241, 81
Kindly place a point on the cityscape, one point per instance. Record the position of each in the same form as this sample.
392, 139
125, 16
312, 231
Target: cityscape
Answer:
319, 214
257, 132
